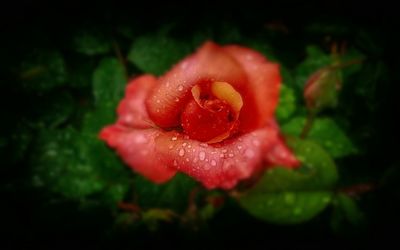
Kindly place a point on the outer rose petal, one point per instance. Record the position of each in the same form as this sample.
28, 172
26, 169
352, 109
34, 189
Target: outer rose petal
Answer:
264, 78
209, 63
137, 149
133, 134
131, 110
219, 165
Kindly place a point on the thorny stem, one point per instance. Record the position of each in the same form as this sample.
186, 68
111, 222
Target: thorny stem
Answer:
309, 123
358, 189
120, 57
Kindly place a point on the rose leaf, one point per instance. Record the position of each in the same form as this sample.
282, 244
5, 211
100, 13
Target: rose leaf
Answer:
78, 167
285, 196
155, 54
325, 132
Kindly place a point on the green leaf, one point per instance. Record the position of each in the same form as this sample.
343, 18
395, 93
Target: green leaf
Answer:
156, 54
287, 103
43, 70
78, 166
91, 43
324, 131
347, 216
285, 196
173, 194
109, 81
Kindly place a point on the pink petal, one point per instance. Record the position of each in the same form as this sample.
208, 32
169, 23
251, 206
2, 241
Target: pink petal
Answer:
264, 78
137, 149
210, 63
132, 109
219, 165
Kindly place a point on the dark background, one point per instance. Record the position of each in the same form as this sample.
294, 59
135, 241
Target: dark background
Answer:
27, 25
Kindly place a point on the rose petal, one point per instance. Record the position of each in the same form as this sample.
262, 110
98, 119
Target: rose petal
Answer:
132, 110
218, 165
137, 149
210, 63
264, 79
280, 154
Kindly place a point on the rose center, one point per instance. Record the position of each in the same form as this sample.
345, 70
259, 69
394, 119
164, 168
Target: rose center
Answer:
212, 115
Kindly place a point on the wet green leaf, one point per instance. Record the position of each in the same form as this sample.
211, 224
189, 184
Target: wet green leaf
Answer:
173, 194
67, 162
156, 54
324, 131
109, 82
285, 196
287, 103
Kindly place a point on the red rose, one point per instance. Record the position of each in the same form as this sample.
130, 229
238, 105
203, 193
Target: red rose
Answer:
211, 116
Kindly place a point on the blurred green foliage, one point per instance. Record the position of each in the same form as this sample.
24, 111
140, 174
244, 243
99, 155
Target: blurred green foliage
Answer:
63, 81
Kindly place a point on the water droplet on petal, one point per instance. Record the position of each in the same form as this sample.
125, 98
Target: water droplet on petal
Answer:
184, 144
181, 152
176, 99
158, 101
187, 159
222, 155
239, 147
213, 163
207, 166
195, 160
204, 145
224, 150
171, 146
174, 138
230, 155
256, 142
249, 153
202, 156
180, 87
175, 163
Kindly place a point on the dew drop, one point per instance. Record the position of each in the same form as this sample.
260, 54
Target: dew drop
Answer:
174, 138
195, 160
175, 163
180, 87
213, 163
239, 147
226, 166
222, 155
224, 150
158, 110
181, 152
207, 166
204, 145
202, 156
230, 155
187, 159
140, 139
171, 146
176, 99
249, 153
184, 144
158, 101
256, 142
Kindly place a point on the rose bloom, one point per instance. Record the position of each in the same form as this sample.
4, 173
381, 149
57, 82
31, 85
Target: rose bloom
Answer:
211, 116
